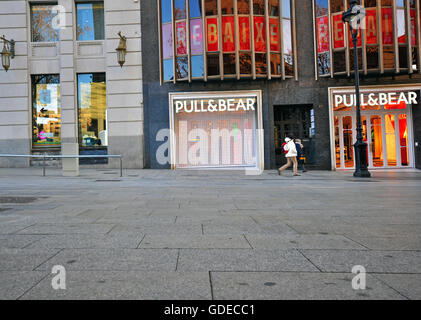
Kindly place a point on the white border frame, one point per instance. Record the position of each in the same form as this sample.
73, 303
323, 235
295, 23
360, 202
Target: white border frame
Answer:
218, 94
365, 89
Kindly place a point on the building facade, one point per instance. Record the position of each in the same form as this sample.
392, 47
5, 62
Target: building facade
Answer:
211, 84
294, 59
65, 84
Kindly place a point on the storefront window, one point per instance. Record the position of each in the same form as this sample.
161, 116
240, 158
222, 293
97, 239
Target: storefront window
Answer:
92, 106
42, 23
46, 111
233, 38
385, 114
216, 130
90, 21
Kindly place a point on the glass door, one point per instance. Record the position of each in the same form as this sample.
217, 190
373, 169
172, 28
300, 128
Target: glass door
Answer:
386, 133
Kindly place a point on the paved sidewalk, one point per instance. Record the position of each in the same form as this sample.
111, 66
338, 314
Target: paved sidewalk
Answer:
161, 234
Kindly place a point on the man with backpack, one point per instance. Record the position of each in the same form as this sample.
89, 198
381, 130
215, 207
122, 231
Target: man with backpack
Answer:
290, 152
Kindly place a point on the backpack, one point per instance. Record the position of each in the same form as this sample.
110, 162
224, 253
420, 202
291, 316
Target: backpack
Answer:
285, 147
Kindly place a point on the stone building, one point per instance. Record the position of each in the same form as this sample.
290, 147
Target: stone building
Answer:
65, 85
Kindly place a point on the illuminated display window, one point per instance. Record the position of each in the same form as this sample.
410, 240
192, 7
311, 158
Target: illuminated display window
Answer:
46, 111
216, 130
92, 105
383, 42
232, 39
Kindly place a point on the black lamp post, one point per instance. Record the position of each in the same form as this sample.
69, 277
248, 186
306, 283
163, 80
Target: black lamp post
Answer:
353, 17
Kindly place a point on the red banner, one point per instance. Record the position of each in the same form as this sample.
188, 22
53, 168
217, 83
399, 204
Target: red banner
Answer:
322, 34
371, 26
244, 26
387, 26
259, 34
212, 34
338, 32
180, 28
228, 35
275, 44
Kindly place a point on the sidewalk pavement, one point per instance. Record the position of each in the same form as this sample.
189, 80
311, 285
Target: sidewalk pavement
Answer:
161, 234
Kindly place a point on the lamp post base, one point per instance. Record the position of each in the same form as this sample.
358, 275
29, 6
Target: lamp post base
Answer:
361, 169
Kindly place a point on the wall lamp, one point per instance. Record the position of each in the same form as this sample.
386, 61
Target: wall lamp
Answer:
7, 53
121, 50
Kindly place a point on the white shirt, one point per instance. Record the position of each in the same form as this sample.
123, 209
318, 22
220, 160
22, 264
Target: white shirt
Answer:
292, 150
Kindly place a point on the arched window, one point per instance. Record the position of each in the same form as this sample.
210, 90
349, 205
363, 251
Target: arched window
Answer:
226, 39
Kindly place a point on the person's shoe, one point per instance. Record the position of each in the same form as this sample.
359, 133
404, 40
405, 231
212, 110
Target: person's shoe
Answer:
295, 175
279, 172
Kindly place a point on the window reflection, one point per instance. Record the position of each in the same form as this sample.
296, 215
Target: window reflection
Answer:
227, 6
92, 103
213, 64
90, 21
195, 8
245, 63
258, 7
166, 14
261, 63
197, 66
180, 9
168, 66
229, 64
46, 111
275, 64
211, 7
243, 6
42, 23
181, 67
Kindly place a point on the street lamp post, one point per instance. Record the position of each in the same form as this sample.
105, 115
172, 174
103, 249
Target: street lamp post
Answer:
353, 17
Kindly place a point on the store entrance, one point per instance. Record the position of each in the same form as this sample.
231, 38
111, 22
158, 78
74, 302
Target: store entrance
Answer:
298, 121
386, 132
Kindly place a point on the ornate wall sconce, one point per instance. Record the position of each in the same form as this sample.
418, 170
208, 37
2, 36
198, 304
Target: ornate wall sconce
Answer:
7, 53
121, 50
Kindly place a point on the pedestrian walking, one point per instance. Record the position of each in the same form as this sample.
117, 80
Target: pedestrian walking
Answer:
300, 154
291, 154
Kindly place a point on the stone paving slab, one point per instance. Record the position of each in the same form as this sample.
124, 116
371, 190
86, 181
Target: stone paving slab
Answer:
265, 241
13, 284
10, 228
246, 228
291, 286
24, 259
88, 241
220, 219
391, 243
137, 219
114, 260
113, 285
408, 285
195, 241
356, 230
373, 261
72, 228
18, 241
158, 228
242, 260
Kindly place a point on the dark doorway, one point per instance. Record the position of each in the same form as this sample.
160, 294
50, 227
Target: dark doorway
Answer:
296, 121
